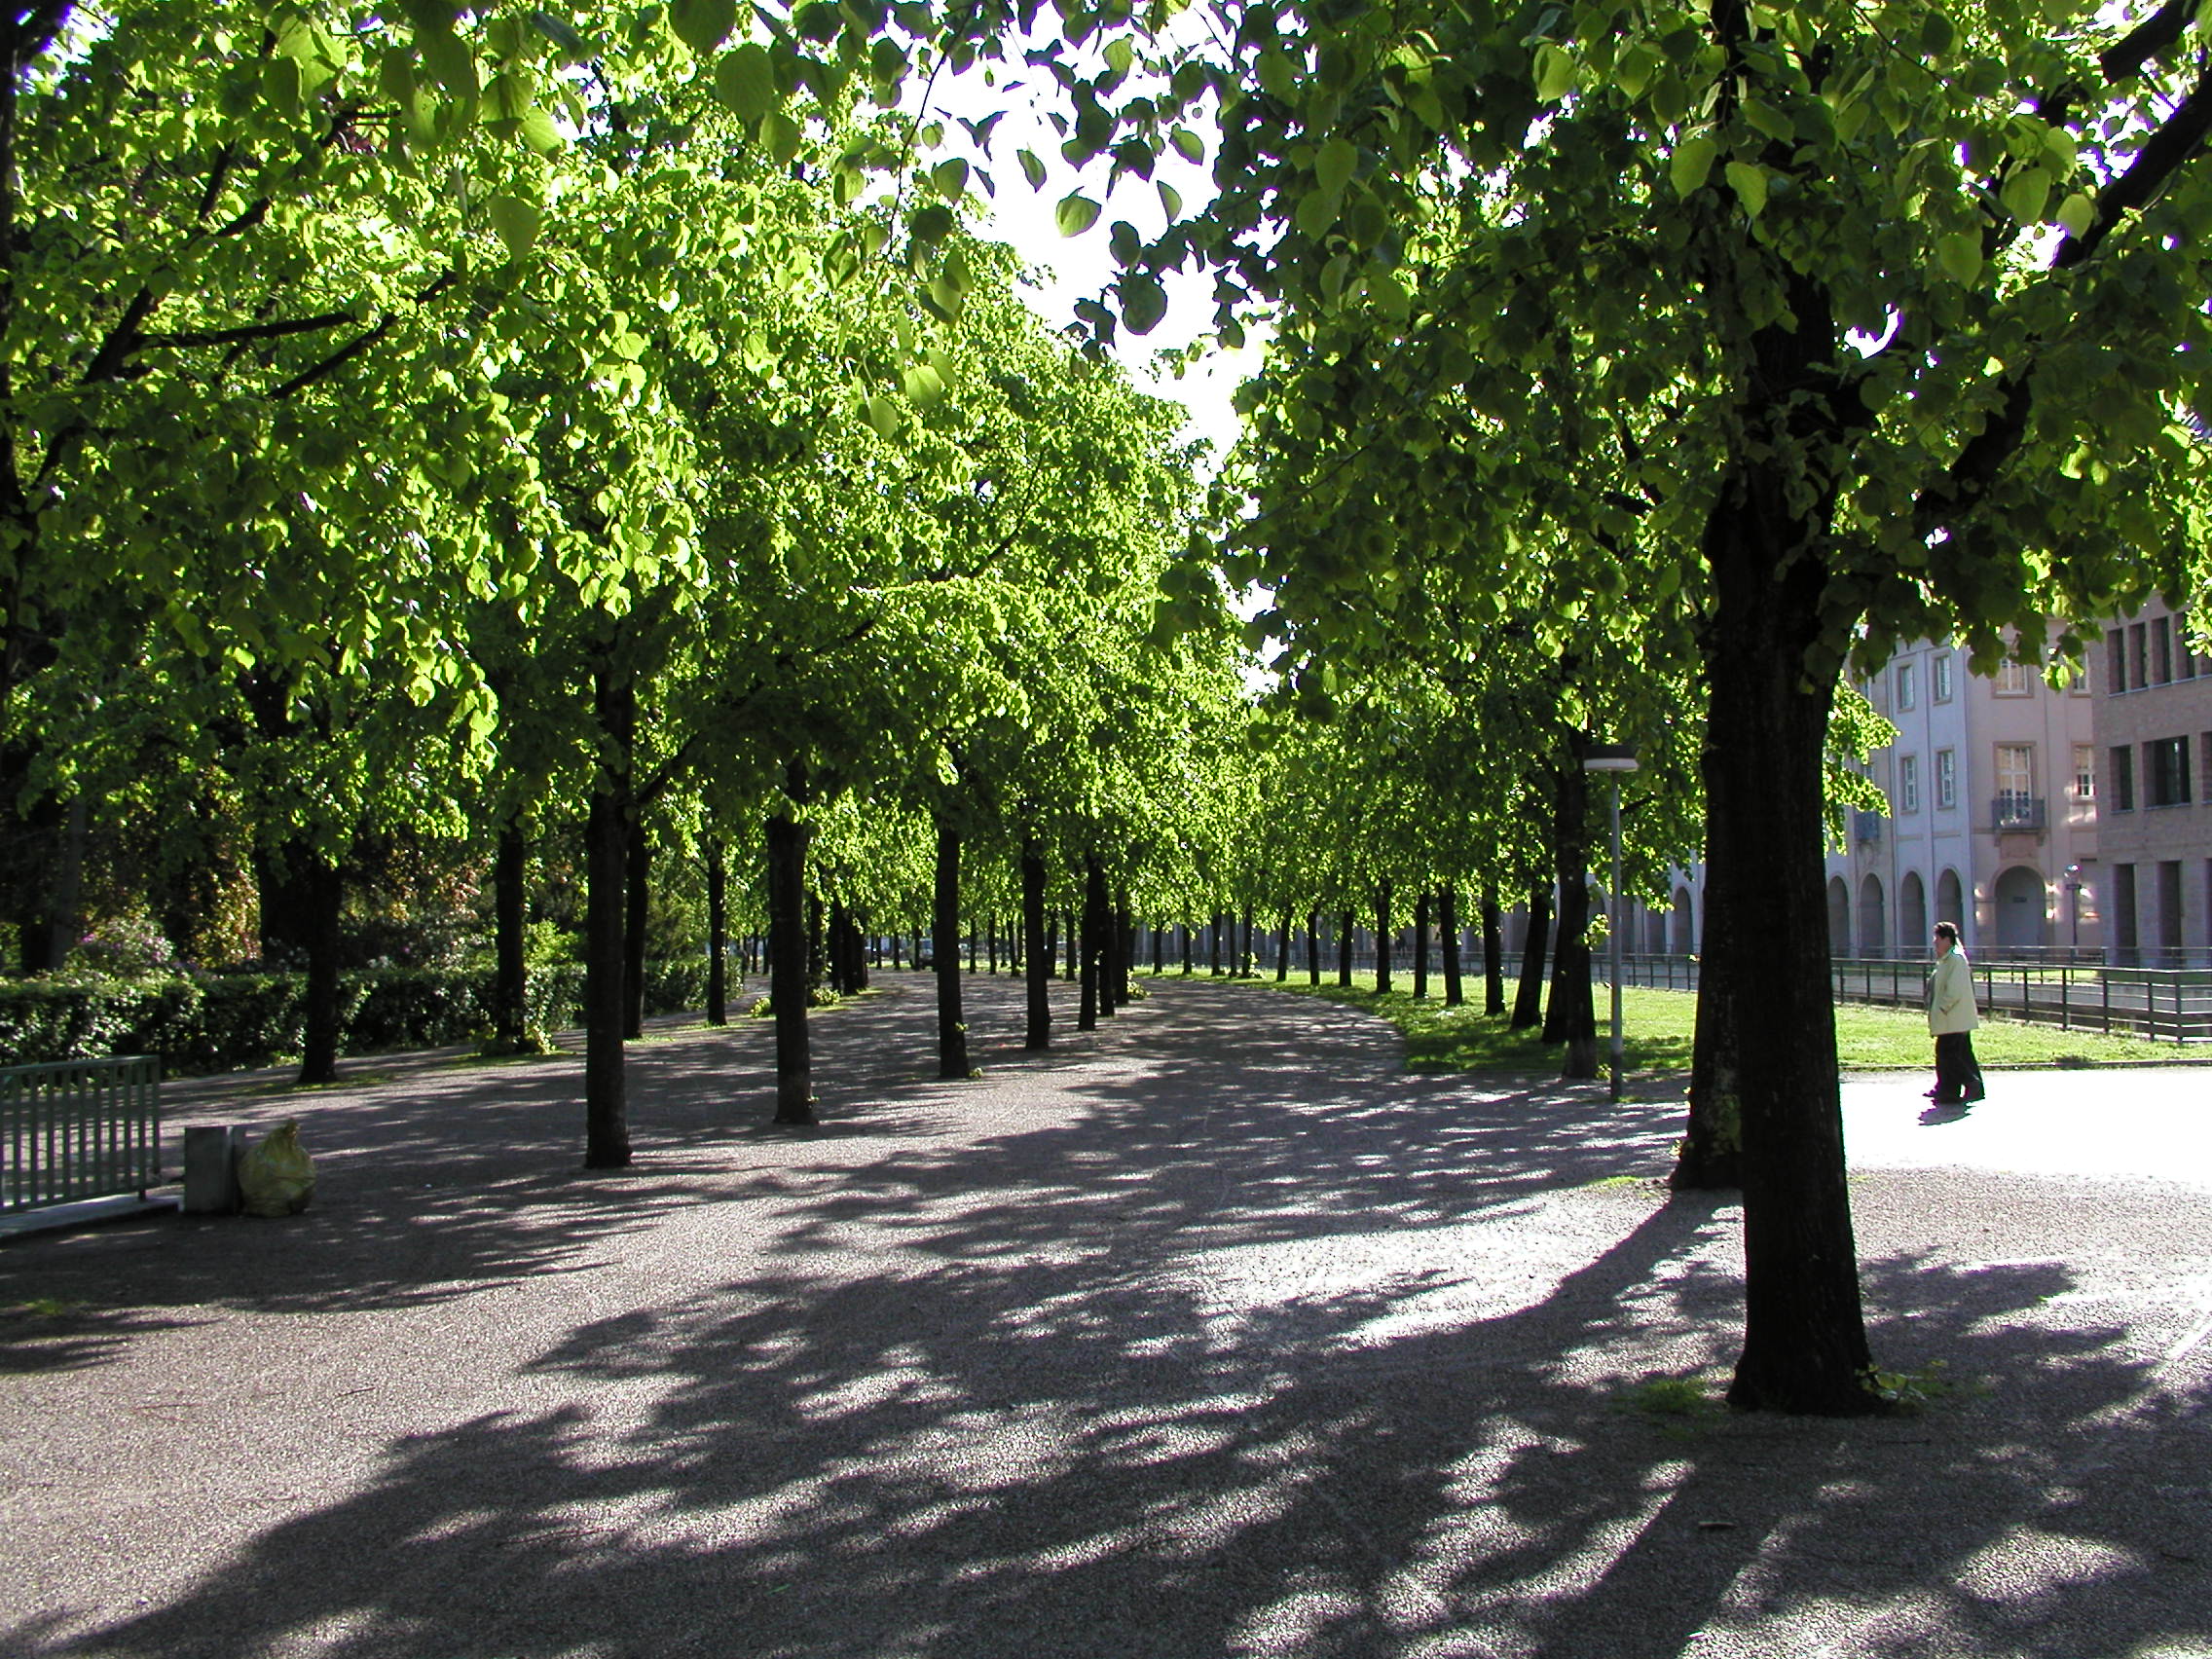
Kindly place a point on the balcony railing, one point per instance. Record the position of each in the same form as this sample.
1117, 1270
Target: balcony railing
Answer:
2012, 810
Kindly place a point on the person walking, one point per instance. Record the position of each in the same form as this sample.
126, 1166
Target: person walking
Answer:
1952, 1018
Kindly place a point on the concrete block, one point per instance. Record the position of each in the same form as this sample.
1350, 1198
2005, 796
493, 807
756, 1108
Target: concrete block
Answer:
211, 1153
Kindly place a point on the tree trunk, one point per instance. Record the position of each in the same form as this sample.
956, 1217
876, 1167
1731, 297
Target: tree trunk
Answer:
1421, 945
951, 1027
1075, 949
1086, 950
637, 874
1244, 946
1764, 984
1572, 1018
1183, 929
1344, 947
510, 869
1493, 952
1213, 946
314, 893
1125, 947
1283, 949
1313, 947
786, 967
718, 934
1038, 1033
1448, 927
607, 842
1528, 1001
1382, 937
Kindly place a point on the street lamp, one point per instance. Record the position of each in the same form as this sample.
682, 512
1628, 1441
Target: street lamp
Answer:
2073, 901
1616, 758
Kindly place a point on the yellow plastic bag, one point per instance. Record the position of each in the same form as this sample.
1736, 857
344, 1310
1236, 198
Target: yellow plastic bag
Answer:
276, 1177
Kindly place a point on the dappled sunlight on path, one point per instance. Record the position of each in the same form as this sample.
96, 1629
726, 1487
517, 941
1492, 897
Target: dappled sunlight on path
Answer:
1213, 1333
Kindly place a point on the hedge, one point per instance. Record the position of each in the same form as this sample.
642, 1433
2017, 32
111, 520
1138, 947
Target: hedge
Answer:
223, 1022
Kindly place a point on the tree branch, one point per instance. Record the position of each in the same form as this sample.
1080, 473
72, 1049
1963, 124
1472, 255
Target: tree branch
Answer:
250, 332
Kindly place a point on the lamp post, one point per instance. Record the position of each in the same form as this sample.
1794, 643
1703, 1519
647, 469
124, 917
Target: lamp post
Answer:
1616, 758
2074, 902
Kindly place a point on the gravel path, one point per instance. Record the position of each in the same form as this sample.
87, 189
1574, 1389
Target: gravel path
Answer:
1212, 1335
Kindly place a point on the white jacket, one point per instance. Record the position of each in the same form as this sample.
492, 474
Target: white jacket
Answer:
1950, 995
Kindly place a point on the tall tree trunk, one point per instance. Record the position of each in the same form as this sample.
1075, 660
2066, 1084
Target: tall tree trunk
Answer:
1283, 949
1528, 1001
1183, 930
718, 934
1494, 951
1420, 944
1086, 950
1344, 947
1382, 937
1448, 929
637, 874
786, 967
510, 868
1572, 1017
315, 894
1158, 945
1244, 946
951, 1027
1213, 946
1075, 949
1313, 947
1125, 947
1038, 1030
1764, 983
1098, 913
607, 843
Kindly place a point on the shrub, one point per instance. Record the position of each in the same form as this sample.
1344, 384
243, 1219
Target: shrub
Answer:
229, 1021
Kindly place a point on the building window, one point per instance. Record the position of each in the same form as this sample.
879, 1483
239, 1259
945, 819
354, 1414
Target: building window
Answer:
2013, 678
2165, 770
2121, 777
2085, 771
2115, 662
1905, 694
1947, 780
2017, 807
2161, 652
2138, 655
1909, 782
1939, 677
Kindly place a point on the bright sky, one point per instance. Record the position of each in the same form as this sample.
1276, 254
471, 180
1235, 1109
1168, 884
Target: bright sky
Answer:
1080, 267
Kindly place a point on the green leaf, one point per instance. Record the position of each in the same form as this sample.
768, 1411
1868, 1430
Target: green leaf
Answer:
1960, 256
1171, 201
280, 85
1555, 73
1749, 183
516, 221
703, 25
1188, 144
446, 55
540, 133
782, 135
932, 222
1691, 163
1633, 69
949, 179
2025, 195
1076, 214
1032, 168
923, 386
1333, 166
2077, 213
883, 415
1144, 302
746, 80
1278, 75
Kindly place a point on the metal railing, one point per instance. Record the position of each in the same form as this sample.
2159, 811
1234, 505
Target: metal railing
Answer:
79, 1129
2164, 1005
2013, 809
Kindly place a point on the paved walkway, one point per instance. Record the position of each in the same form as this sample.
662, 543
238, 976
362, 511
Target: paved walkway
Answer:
1214, 1335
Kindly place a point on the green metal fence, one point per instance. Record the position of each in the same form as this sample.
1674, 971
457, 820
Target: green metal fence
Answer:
2168, 1005
79, 1129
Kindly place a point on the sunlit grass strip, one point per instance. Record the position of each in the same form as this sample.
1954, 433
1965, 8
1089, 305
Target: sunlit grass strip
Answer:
1657, 1027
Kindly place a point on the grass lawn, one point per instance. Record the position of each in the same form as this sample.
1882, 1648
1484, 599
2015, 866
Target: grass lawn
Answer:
1657, 1027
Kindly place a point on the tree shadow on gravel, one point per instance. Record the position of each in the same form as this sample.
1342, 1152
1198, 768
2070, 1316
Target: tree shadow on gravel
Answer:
1262, 1350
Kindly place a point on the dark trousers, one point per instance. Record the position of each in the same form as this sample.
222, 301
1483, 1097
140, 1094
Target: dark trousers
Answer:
1957, 1074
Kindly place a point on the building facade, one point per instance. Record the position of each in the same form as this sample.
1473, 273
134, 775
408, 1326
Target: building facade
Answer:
2153, 737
